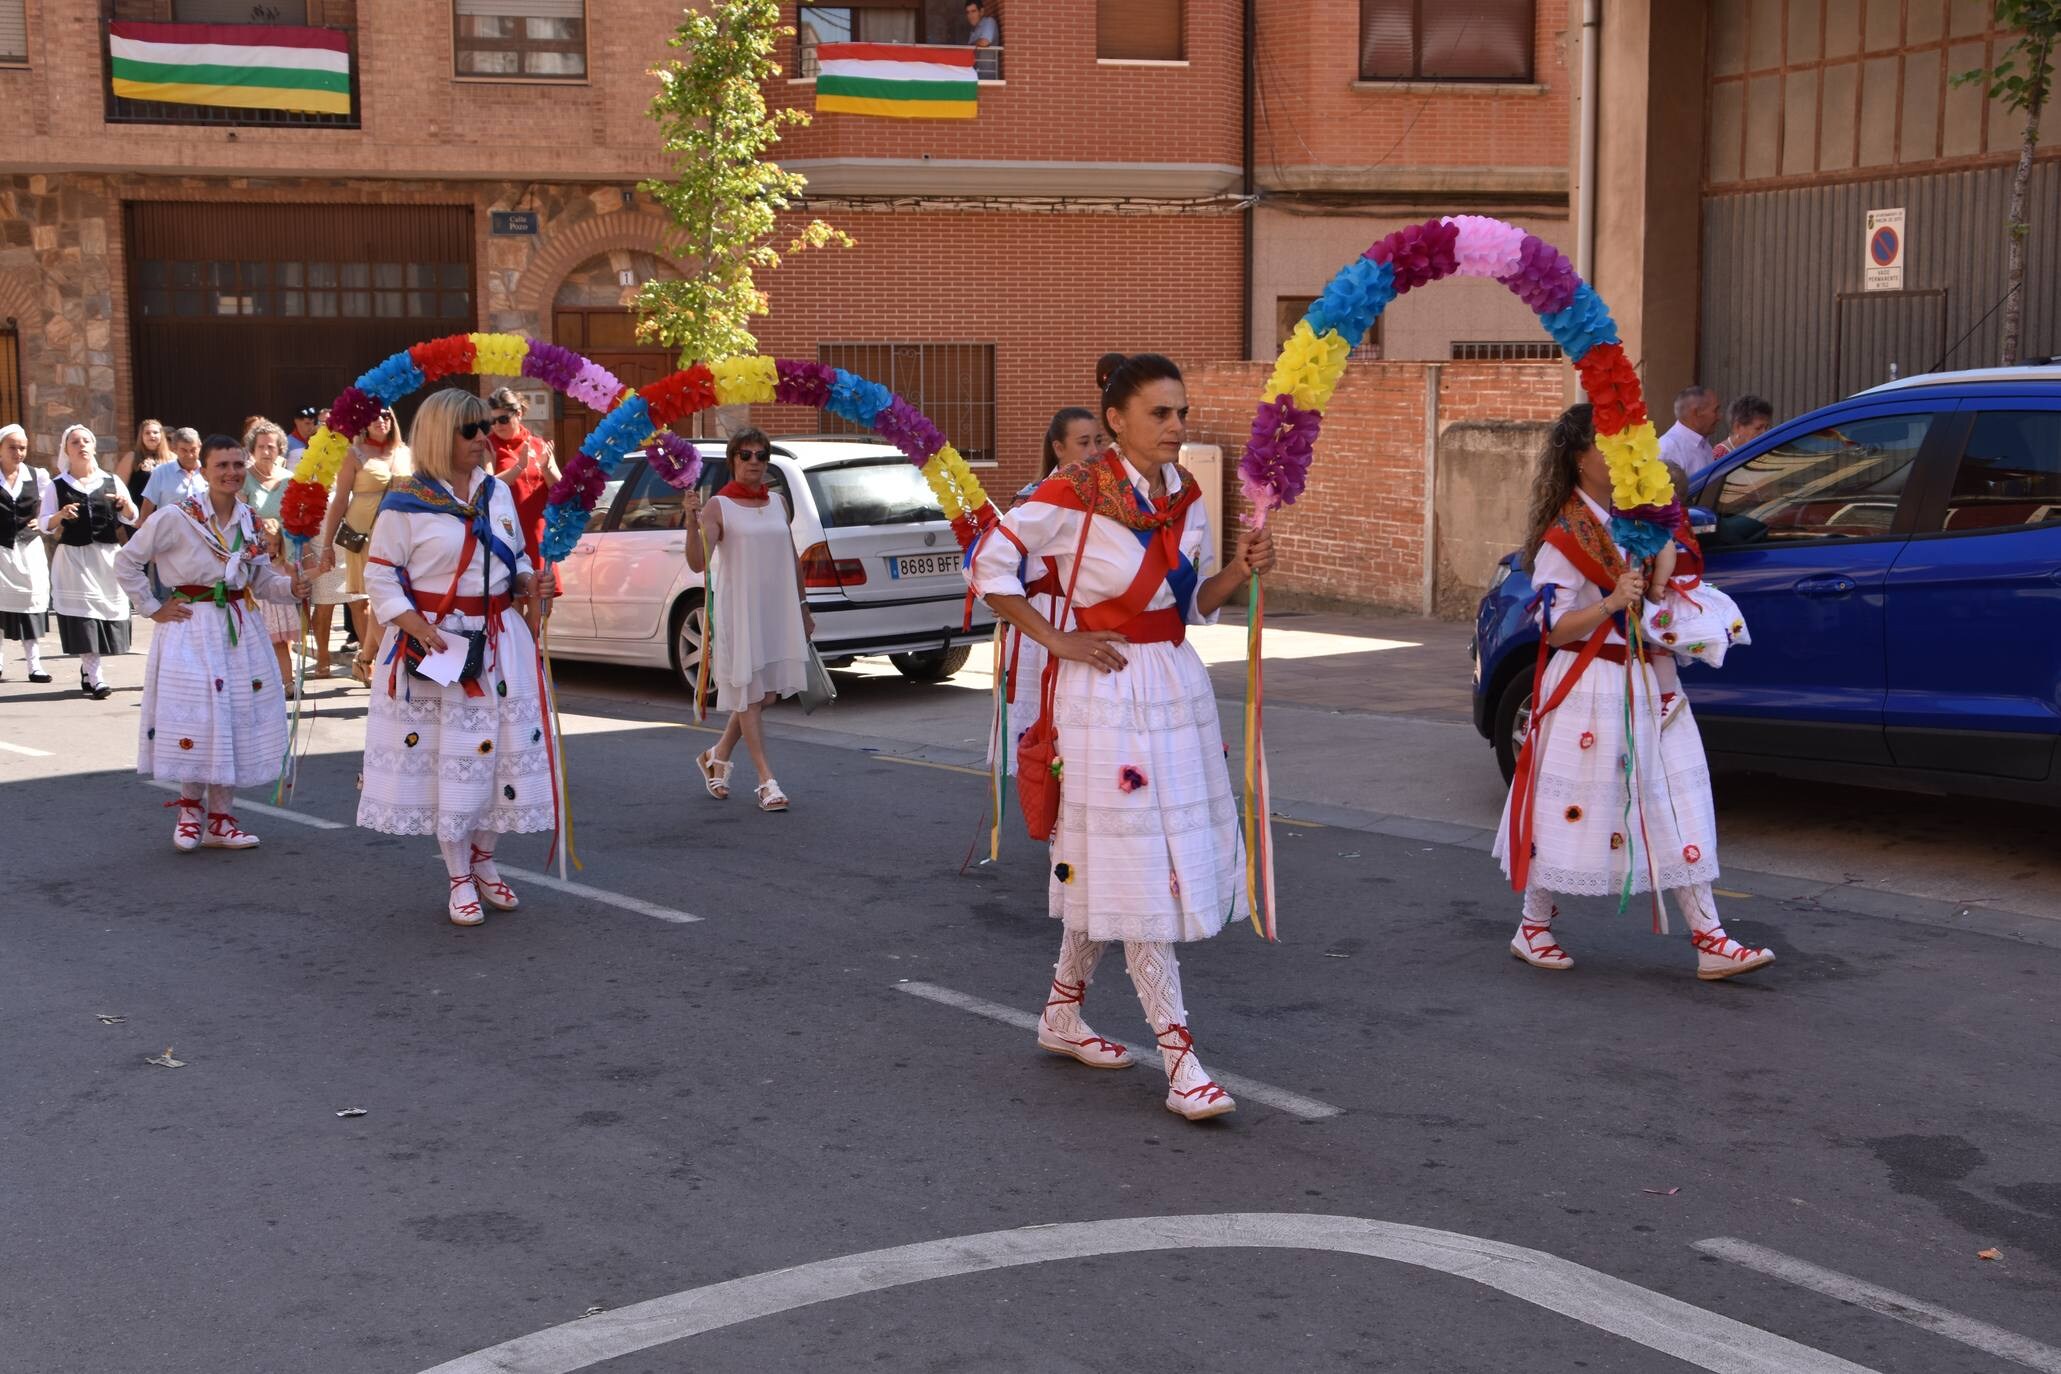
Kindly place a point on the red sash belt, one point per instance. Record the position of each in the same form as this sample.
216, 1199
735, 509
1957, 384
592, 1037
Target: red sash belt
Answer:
1163, 626
486, 607
1614, 653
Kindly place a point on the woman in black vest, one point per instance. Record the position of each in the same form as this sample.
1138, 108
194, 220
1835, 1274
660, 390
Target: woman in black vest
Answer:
24, 571
85, 509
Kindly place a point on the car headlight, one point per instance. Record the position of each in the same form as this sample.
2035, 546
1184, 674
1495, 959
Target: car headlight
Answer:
1502, 575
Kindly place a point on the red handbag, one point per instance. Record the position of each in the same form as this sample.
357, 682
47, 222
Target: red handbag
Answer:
1037, 752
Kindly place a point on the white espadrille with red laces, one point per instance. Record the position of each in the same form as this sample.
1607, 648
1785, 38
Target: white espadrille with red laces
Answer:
186, 830
1190, 1091
224, 833
1534, 944
1061, 1030
1718, 955
464, 902
492, 890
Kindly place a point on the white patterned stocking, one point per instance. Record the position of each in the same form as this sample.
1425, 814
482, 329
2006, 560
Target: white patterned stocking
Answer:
457, 856
1700, 904
1538, 907
1078, 956
1157, 976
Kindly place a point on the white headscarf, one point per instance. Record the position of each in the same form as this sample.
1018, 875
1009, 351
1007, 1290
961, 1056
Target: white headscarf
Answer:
16, 430
88, 485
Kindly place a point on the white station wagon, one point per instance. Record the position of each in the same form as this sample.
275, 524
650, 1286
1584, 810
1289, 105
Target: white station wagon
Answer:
879, 559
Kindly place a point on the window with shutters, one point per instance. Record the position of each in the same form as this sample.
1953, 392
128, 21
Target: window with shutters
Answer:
14, 34
892, 21
521, 40
1140, 31
290, 12
1446, 40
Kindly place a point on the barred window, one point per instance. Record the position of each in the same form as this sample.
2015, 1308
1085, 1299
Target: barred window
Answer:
14, 34
952, 383
521, 40
1446, 40
1491, 351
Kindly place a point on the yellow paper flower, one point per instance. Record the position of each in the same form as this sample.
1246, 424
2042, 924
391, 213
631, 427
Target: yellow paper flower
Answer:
324, 455
499, 355
937, 472
1309, 367
744, 381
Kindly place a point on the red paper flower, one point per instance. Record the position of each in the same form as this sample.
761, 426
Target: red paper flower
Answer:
1692, 854
445, 357
1616, 839
680, 395
301, 508
1588, 739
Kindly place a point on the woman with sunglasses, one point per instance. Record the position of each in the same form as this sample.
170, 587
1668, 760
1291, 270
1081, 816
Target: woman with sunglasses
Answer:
525, 464
376, 458
760, 648
469, 761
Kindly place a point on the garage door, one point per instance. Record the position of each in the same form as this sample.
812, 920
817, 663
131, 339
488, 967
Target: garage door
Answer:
241, 310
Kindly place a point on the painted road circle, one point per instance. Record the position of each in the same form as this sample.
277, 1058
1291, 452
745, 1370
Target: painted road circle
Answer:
1698, 1337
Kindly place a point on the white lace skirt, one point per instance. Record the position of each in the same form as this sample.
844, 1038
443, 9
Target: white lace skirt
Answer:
212, 710
1583, 839
1148, 845
439, 762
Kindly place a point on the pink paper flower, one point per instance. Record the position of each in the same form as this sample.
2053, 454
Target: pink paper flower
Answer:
1130, 778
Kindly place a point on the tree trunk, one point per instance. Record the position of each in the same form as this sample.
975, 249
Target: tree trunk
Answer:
2016, 229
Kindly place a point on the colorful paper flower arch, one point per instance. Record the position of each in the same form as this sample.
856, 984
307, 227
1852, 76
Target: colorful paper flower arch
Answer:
1284, 430
757, 381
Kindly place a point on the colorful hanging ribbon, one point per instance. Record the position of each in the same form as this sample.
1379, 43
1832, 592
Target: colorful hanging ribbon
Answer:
1259, 839
554, 757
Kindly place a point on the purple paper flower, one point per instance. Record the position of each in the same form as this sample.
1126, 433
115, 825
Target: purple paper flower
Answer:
351, 412
580, 483
674, 460
909, 430
1419, 254
555, 367
802, 382
1277, 457
1544, 279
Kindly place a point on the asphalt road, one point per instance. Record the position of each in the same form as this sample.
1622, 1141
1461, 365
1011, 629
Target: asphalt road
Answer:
589, 1106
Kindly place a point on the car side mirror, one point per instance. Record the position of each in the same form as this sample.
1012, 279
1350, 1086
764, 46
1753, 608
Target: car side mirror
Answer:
1701, 521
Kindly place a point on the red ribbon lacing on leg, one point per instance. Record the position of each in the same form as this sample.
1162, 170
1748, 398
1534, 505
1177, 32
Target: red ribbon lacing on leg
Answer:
187, 830
1714, 942
222, 825
1551, 951
1073, 995
1184, 1046
470, 908
495, 885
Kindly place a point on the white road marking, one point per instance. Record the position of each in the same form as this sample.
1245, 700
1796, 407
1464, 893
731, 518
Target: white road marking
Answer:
592, 894
1307, 1107
1940, 1321
24, 750
1703, 1339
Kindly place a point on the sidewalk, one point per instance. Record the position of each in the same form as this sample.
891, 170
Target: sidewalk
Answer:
1369, 724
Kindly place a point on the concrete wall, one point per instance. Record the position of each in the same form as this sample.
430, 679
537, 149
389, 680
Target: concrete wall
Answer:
1483, 492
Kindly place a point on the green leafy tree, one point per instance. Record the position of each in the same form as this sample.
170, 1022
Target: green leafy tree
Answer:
2022, 79
725, 196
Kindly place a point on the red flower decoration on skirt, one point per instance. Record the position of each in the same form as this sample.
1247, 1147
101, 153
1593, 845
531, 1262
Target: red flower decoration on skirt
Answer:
1691, 853
1130, 778
1616, 839
1573, 813
1588, 739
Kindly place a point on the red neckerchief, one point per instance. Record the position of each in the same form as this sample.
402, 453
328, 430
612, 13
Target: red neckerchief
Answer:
509, 452
750, 496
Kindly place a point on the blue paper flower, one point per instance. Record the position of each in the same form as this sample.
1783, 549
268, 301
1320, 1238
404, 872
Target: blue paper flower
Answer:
1639, 538
563, 526
855, 399
1354, 299
618, 431
398, 376
1582, 325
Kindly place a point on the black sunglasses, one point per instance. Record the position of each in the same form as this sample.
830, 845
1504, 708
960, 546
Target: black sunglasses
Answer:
502, 417
753, 455
472, 429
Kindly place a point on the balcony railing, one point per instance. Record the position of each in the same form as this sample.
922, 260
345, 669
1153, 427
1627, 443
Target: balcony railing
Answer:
987, 62
127, 110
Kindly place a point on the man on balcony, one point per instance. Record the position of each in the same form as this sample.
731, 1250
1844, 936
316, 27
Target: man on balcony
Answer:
986, 33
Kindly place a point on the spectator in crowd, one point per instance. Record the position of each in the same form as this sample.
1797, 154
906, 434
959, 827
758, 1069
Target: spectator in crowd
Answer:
376, 458
305, 421
1696, 414
171, 483
135, 466
526, 466
263, 486
985, 32
1750, 418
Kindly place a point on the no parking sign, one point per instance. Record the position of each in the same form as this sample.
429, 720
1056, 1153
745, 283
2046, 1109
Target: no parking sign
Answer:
1884, 267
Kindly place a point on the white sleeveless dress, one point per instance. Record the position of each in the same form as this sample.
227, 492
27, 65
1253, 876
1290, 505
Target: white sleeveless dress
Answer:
760, 644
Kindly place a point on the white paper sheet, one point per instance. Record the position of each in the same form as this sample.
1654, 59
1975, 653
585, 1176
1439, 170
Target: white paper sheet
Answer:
445, 664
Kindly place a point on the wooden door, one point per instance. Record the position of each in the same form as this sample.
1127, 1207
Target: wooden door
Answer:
609, 337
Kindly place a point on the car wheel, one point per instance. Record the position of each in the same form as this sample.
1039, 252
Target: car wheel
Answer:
690, 641
1513, 718
934, 666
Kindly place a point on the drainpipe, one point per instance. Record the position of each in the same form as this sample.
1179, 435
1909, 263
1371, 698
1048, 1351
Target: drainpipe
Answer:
1428, 593
1585, 166
1251, 27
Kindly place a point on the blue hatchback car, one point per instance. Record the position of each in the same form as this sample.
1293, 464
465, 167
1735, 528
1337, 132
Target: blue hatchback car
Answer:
1898, 559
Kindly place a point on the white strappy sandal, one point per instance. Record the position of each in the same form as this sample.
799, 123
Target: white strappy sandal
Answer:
771, 798
715, 774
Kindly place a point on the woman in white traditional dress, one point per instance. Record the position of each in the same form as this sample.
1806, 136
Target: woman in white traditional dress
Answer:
263, 489
1147, 848
763, 626
24, 568
86, 508
469, 761
1565, 827
213, 719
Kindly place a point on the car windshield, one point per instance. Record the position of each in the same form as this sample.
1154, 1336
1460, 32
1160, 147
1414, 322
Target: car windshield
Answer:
876, 491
